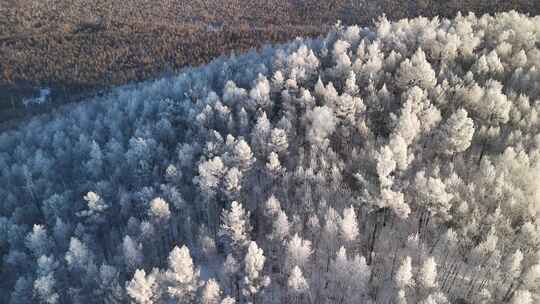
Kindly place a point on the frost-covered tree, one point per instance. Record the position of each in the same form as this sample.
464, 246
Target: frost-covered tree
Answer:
159, 210
348, 226
416, 71
298, 251
296, 282
142, 288
181, 275
456, 133
235, 227
254, 280
322, 124
211, 292
132, 253
38, 241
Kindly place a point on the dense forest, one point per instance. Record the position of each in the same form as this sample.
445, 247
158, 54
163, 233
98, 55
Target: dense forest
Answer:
398, 163
79, 48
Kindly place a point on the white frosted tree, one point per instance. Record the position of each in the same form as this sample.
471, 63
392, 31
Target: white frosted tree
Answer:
404, 275
416, 71
513, 264
272, 207
79, 257
132, 253
210, 174
322, 124
351, 87
522, 297
181, 275
432, 195
233, 183
280, 226
343, 62
243, 155
260, 135
360, 276
227, 300
235, 227
456, 133
278, 140
260, 93
273, 165
38, 241
211, 292
45, 289
159, 210
396, 202
297, 283
385, 165
348, 226
96, 206
400, 151
254, 280
298, 251
339, 275
428, 274
94, 166
142, 288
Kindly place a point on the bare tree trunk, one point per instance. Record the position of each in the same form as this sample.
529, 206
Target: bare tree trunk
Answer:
372, 241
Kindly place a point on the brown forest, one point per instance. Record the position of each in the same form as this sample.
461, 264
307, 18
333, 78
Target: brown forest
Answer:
77, 47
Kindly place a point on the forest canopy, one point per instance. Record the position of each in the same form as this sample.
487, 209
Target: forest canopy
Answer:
392, 164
